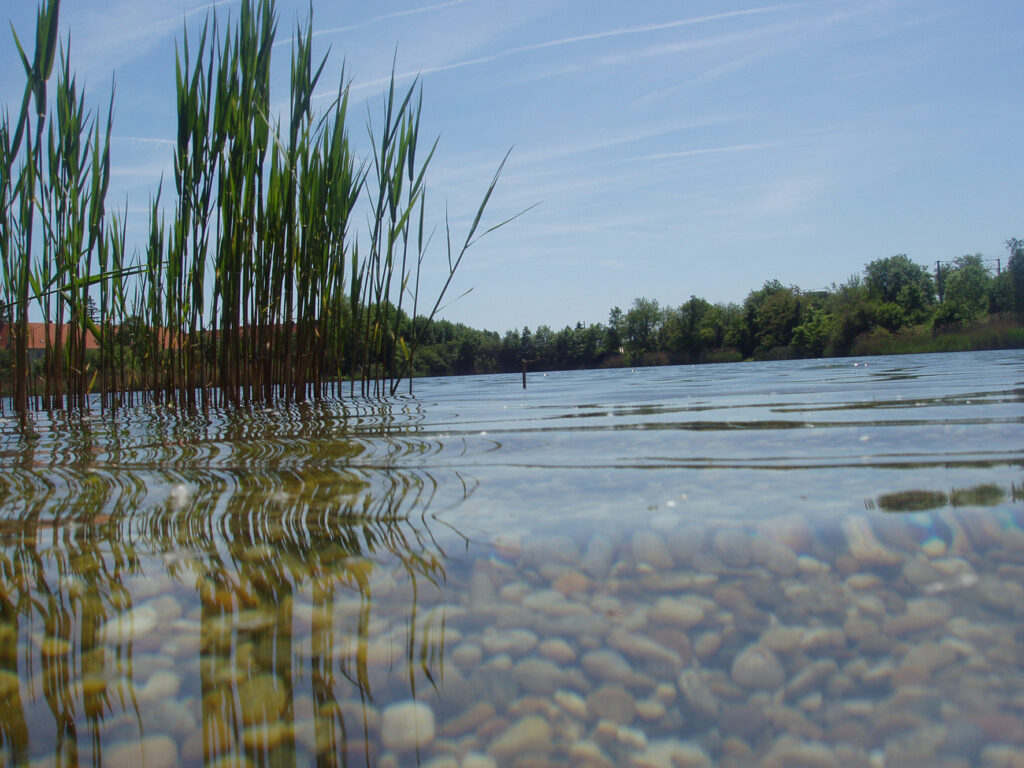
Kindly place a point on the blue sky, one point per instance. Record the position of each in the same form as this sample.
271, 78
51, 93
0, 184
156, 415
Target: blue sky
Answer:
670, 148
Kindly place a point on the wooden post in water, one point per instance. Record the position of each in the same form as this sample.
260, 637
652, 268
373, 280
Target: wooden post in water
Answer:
525, 361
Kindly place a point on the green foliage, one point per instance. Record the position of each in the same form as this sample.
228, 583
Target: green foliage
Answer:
778, 322
889, 315
616, 328
642, 328
692, 329
842, 320
897, 280
812, 336
1001, 296
134, 333
968, 288
1015, 269
770, 316
947, 314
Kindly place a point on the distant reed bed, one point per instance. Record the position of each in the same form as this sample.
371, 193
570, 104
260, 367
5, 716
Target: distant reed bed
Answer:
992, 332
251, 286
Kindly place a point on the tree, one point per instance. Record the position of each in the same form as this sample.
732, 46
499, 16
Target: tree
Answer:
770, 313
614, 331
1001, 295
467, 349
713, 324
942, 271
812, 336
593, 344
526, 348
511, 351
543, 343
643, 322
690, 328
777, 316
968, 285
899, 281
1015, 268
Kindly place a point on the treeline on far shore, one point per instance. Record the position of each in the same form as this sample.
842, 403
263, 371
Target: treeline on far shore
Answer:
895, 306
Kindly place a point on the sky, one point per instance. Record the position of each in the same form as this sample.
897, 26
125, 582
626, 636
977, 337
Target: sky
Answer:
659, 149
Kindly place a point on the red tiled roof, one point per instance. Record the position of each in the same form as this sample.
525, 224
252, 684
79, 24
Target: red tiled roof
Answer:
37, 336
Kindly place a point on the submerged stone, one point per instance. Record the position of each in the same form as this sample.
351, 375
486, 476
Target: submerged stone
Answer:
782, 639
670, 753
151, 751
261, 699
650, 548
758, 667
531, 734
611, 702
572, 703
777, 558
469, 720
639, 647
557, 650
863, 544
130, 625
597, 559
538, 675
921, 613
406, 726
266, 736
697, 694
516, 642
678, 613
788, 752
733, 546
588, 754
161, 685
608, 665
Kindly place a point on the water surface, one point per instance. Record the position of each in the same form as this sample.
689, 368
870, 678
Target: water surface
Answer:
804, 563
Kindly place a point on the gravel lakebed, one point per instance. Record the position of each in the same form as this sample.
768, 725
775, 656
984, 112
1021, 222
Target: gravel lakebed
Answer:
875, 640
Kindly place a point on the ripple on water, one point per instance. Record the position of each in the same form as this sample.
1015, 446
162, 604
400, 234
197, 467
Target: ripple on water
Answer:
689, 568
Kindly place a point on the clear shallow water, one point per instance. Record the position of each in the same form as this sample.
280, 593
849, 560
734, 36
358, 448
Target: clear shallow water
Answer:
813, 563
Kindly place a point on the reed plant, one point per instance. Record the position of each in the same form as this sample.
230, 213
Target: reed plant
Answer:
251, 286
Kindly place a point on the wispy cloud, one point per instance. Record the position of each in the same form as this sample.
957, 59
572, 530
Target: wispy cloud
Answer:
623, 31
144, 141
378, 19
150, 172
777, 39
707, 76
125, 30
641, 29
686, 153
645, 132
208, 7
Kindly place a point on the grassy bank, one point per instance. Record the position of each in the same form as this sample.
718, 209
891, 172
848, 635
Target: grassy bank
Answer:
993, 332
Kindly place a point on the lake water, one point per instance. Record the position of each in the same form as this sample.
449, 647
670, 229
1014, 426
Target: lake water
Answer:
815, 563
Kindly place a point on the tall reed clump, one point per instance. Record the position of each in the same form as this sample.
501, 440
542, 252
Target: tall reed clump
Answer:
251, 286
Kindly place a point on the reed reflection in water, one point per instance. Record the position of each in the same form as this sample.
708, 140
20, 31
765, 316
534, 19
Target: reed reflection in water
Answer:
766, 565
185, 590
